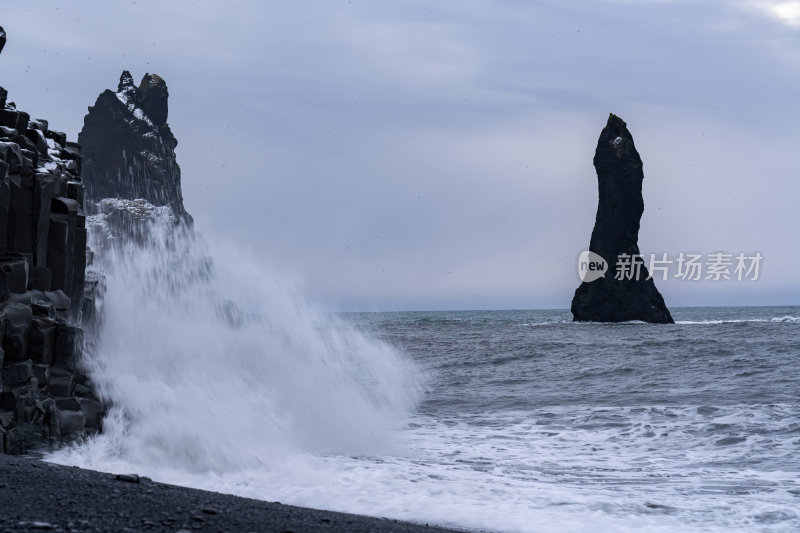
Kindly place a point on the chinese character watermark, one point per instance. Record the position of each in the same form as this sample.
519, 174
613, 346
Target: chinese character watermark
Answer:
717, 266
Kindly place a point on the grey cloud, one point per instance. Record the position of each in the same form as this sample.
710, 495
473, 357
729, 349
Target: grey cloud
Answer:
408, 155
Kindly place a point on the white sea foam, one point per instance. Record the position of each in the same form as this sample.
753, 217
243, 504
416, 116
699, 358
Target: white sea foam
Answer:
787, 319
518, 474
792, 319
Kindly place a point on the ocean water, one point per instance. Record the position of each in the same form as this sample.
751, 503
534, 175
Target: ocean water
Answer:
223, 377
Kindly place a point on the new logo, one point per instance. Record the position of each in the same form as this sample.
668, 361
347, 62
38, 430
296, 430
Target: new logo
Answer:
591, 266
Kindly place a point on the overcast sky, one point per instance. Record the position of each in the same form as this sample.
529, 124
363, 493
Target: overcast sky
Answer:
438, 155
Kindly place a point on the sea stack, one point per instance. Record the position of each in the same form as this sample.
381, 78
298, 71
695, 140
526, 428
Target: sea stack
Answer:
129, 149
615, 296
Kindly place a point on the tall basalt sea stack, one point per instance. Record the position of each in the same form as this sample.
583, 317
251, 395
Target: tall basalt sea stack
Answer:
631, 295
45, 397
129, 149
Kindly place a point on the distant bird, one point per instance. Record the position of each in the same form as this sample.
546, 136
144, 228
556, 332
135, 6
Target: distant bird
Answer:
2, 38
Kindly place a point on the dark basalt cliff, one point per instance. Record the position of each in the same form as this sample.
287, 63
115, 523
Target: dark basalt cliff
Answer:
44, 395
129, 149
616, 232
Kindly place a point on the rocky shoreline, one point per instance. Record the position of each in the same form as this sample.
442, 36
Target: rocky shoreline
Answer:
46, 398
39, 496
123, 168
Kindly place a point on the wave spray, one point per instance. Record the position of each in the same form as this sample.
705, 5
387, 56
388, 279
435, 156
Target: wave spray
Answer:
213, 364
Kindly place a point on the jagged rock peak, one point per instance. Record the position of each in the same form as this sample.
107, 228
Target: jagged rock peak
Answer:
125, 81
129, 149
154, 93
613, 297
127, 92
2, 38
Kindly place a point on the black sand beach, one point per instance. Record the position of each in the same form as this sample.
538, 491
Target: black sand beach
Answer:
39, 496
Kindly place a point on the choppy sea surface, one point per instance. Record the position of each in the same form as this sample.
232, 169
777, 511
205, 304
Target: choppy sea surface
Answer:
537, 423
224, 378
